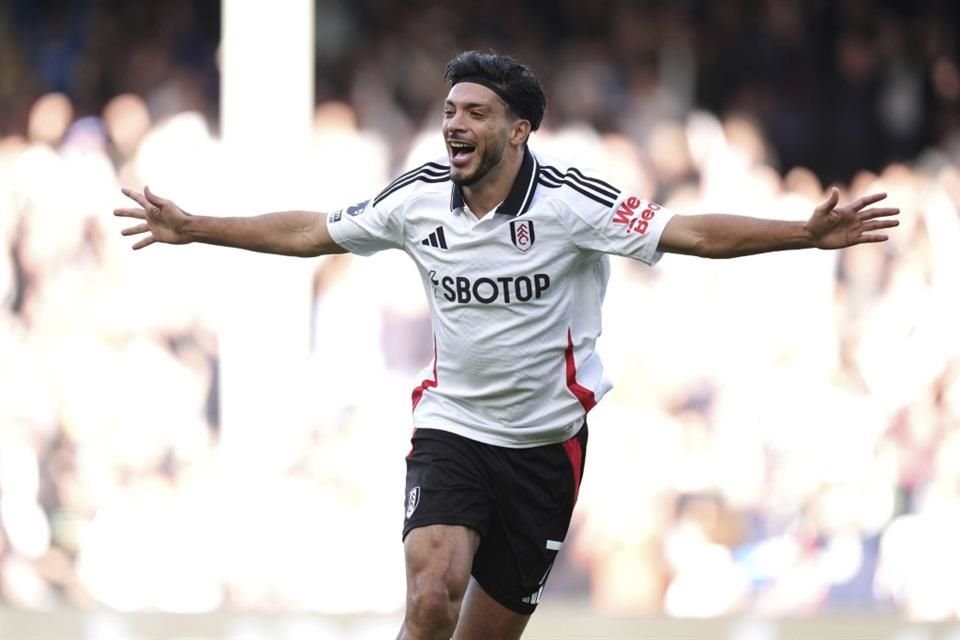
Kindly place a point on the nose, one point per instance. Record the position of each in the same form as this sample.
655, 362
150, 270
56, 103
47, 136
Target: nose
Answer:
454, 122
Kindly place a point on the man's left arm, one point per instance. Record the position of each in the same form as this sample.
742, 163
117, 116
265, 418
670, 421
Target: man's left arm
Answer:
715, 235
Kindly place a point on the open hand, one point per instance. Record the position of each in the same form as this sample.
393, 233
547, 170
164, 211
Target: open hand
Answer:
162, 219
833, 227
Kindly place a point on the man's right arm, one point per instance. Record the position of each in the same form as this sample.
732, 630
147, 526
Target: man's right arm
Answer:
291, 233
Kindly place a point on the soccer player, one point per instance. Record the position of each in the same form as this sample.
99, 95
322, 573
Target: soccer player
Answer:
512, 251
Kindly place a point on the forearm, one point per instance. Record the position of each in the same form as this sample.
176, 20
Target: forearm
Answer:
716, 235
291, 233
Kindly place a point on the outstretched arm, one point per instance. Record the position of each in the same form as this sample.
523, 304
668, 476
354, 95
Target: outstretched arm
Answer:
291, 233
830, 227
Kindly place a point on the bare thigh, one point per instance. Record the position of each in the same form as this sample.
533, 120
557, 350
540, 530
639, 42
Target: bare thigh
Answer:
438, 559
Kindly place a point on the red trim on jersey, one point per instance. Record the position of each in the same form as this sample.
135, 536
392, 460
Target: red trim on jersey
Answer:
412, 436
427, 383
584, 395
575, 455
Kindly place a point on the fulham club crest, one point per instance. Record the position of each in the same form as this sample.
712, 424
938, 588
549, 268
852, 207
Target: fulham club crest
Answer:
413, 501
521, 233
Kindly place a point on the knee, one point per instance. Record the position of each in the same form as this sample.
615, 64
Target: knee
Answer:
438, 558
433, 609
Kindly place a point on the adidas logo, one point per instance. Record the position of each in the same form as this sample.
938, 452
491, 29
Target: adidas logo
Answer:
435, 239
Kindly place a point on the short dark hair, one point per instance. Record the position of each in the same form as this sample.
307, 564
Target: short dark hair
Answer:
513, 82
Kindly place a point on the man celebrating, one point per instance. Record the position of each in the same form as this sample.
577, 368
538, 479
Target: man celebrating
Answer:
512, 252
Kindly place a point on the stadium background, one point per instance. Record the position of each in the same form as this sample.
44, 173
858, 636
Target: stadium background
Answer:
195, 431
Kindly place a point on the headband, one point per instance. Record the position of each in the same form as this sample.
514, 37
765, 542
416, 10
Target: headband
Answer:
504, 95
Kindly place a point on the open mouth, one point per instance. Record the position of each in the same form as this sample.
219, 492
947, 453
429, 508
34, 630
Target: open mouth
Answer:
461, 152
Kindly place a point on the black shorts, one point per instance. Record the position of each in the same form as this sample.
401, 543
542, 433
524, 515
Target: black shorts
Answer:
519, 500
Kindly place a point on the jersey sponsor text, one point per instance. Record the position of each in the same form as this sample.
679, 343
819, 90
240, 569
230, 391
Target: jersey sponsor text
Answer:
626, 214
506, 289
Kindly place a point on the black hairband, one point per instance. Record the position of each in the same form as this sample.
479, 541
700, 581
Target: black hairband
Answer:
506, 97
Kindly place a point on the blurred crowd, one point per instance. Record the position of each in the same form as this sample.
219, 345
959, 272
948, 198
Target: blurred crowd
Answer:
784, 433
836, 86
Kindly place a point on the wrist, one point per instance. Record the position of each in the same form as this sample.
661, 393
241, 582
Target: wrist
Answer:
807, 235
191, 228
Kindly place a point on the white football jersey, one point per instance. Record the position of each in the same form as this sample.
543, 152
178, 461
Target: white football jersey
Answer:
515, 297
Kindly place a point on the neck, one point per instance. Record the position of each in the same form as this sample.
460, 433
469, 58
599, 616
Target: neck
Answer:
494, 187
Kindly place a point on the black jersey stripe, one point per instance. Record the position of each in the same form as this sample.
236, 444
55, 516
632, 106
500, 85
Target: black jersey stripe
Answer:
412, 179
555, 173
420, 177
427, 166
597, 181
586, 190
547, 182
577, 188
587, 183
436, 171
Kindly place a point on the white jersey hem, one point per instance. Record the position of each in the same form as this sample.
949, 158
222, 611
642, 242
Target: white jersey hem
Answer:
555, 436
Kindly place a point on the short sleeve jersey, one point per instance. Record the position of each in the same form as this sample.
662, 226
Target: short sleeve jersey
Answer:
515, 297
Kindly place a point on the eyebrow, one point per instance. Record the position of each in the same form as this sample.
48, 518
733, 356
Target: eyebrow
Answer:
469, 105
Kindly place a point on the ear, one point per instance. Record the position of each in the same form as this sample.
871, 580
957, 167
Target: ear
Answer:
519, 131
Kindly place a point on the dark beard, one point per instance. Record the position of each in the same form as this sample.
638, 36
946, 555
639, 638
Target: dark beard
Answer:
490, 159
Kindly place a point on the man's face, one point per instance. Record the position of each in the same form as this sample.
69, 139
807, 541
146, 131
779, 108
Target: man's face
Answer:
476, 128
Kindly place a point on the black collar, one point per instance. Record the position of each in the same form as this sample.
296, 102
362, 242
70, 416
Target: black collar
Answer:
521, 193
